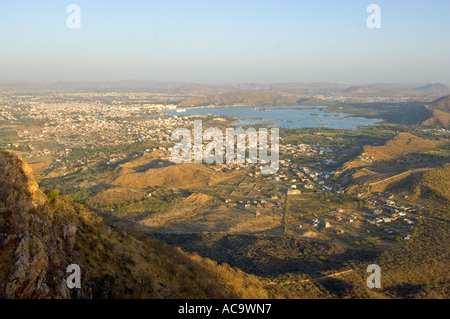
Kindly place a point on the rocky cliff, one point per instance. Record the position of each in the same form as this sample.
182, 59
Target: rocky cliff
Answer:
36, 246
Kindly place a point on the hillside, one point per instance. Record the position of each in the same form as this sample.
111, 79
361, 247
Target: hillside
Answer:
312, 102
175, 176
438, 182
400, 161
241, 98
180, 214
441, 112
42, 234
442, 104
41, 237
400, 145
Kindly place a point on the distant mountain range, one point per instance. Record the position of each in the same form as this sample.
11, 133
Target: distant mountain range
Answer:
305, 88
240, 98
249, 98
437, 89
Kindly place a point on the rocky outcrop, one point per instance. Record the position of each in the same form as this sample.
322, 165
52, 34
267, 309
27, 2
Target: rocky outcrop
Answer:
36, 246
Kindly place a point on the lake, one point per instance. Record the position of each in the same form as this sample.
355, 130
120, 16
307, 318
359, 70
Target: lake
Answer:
284, 116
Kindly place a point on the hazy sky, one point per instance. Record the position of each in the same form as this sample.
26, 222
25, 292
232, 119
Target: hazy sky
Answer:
225, 41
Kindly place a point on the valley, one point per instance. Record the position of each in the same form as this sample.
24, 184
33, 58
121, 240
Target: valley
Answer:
341, 199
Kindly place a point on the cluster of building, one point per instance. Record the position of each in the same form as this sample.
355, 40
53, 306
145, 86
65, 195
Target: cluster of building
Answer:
388, 216
84, 123
389, 211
